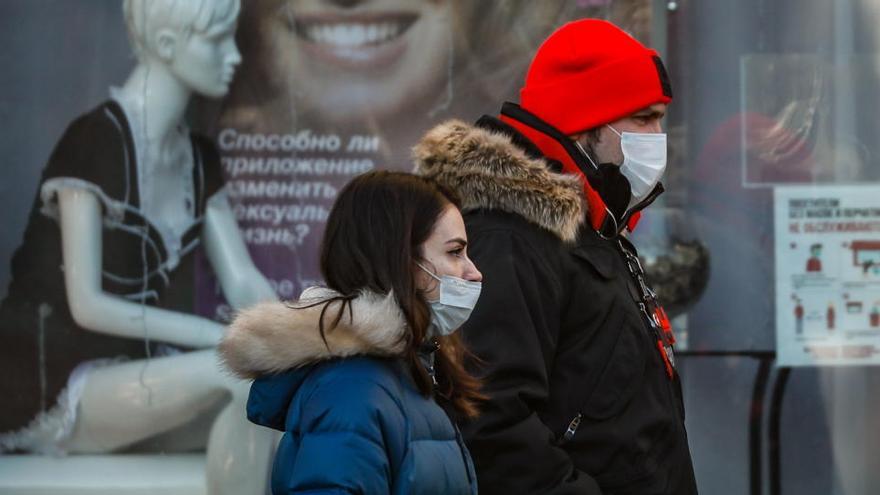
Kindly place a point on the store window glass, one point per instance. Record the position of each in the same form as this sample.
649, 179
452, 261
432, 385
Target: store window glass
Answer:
765, 248
779, 170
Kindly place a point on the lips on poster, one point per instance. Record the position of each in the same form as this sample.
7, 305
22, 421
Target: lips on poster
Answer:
827, 275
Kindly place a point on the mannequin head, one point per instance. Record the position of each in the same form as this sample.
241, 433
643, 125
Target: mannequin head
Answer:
193, 39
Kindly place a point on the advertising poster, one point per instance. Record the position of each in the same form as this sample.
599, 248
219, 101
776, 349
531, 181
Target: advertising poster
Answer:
326, 93
827, 275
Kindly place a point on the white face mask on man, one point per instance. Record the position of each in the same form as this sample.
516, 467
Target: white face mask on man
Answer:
457, 299
644, 161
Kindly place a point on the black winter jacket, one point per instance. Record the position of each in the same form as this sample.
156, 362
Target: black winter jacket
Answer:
558, 331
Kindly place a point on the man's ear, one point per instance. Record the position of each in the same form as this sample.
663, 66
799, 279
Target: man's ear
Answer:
166, 44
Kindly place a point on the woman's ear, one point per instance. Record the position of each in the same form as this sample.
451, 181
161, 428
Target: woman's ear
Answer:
166, 45
419, 278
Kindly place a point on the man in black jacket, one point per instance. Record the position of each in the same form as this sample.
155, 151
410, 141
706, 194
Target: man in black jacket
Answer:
574, 347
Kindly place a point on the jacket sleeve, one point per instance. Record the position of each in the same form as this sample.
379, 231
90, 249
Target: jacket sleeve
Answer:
513, 331
342, 447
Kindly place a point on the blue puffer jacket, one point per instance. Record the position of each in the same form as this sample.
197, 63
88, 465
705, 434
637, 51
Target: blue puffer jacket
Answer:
352, 417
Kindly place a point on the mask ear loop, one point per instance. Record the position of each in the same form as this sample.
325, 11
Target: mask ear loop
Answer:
619, 134
429, 272
608, 211
587, 155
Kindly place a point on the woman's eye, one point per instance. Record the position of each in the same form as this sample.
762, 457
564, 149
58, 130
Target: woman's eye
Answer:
457, 252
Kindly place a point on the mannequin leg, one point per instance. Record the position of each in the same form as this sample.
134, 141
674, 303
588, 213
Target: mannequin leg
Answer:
189, 437
239, 454
129, 402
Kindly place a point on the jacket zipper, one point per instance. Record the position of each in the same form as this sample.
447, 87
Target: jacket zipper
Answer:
572, 429
432, 374
426, 356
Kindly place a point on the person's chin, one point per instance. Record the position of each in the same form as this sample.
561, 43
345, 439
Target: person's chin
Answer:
216, 92
347, 110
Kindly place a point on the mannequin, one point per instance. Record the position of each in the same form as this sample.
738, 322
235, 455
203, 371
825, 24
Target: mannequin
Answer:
126, 197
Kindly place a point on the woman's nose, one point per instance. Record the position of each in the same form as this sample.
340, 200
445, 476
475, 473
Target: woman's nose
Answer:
472, 274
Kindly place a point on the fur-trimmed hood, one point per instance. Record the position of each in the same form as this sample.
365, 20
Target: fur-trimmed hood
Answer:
489, 171
272, 337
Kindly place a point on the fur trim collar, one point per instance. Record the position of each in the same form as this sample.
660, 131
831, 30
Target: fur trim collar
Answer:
272, 337
489, 171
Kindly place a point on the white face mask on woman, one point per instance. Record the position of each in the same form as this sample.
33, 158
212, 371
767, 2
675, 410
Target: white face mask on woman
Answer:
644, 161
457, 299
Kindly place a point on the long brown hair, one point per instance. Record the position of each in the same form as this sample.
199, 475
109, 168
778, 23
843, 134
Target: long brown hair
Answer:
371, 243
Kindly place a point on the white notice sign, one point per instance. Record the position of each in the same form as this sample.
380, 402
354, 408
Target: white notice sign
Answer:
827, 275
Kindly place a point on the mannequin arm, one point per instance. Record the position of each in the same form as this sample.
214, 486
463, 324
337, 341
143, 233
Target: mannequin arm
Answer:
243, 285
91, 307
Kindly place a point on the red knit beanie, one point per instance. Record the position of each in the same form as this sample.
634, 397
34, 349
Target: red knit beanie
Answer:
590, 72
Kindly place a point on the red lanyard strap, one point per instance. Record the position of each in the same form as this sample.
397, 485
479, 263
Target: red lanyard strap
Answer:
653, 311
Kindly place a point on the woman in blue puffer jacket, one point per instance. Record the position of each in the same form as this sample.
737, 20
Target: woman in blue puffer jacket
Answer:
350, 372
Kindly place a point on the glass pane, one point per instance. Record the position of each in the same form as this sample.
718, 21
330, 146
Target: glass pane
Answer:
765, 241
